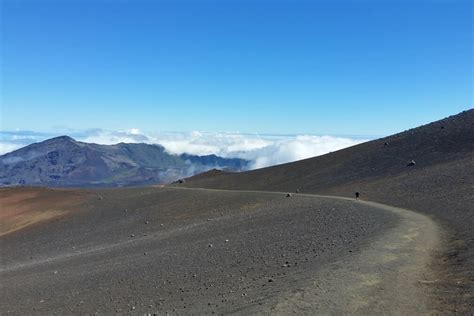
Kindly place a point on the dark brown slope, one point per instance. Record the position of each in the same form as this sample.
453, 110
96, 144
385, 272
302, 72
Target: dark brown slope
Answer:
166, 250
441, 183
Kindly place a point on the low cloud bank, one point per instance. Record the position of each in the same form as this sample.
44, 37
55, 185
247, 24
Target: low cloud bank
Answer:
261, 150
6, 147
296, 148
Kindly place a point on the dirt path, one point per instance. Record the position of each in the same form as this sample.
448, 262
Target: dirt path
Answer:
391, 276
303, 255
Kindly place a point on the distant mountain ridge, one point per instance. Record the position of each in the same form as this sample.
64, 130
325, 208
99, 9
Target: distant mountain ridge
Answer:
63, 161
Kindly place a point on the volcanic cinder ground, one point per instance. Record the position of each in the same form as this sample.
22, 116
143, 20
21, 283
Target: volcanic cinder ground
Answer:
236, 243
190, 250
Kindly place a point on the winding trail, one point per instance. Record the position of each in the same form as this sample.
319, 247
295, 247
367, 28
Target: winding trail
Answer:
391, 276
220, 256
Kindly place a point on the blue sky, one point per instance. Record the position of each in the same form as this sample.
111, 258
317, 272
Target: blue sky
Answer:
290, 67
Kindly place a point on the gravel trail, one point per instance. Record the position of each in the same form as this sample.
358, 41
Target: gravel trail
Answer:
392, 275
185, 251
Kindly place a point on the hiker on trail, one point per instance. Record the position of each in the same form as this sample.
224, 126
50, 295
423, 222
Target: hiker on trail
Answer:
357, 194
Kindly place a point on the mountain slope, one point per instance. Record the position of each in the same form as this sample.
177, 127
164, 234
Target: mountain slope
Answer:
439, 183
439, 142
62, 161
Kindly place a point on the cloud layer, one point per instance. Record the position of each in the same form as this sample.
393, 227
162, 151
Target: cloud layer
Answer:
261, 150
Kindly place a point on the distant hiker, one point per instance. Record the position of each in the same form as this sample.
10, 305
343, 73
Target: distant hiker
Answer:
297, 191
357, 194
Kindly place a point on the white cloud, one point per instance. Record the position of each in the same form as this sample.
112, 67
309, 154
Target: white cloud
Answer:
133, 131
133, 135
6, 147
261, 150
296, 148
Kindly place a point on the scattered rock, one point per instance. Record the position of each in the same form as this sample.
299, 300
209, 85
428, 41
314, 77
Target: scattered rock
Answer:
132, 235
288, 195
297, 191
385, 144
227, 240
147, 222
411, 163
210, 245
270, 280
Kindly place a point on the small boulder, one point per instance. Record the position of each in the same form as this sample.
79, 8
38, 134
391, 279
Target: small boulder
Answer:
288, 195
411, 163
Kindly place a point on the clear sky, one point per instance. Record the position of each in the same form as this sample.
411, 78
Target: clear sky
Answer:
318, 67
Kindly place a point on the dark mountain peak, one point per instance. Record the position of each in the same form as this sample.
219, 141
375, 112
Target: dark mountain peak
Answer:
60, 140
63, 161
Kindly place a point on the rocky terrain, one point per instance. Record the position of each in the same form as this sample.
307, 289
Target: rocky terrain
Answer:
62, 161
171, 250
429, 169
248, 243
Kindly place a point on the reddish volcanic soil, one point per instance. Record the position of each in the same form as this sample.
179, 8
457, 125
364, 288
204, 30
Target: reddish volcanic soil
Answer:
22, 207
236, 243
